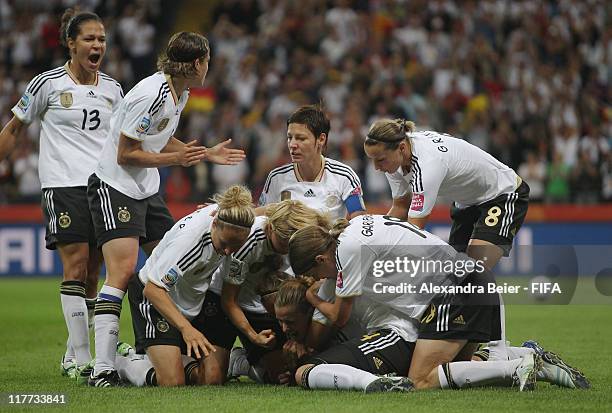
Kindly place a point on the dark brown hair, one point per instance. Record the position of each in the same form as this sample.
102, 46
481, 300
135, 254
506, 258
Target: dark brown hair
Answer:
71, 24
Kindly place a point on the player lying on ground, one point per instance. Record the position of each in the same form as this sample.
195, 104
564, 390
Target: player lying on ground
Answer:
348, 254
167, 297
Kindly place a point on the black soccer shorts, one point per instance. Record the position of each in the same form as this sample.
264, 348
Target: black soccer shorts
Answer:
496, 221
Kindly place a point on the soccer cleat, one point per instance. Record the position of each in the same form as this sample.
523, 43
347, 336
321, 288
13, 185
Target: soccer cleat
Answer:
526, 373
83, 372
555, 371
232, 369
68, 368
389, 384
108, 378
125, 349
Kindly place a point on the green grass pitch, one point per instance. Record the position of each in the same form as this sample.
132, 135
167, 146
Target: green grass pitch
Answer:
32, 337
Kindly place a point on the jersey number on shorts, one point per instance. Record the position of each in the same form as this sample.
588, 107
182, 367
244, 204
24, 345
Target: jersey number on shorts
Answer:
407, 225
94, 117
493, 216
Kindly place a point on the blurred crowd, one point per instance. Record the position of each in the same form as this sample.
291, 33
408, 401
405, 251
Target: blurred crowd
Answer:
527, 81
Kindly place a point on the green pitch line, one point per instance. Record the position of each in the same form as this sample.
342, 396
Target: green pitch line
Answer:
33, 336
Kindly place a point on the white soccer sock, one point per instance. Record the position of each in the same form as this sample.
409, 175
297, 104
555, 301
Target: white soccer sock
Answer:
69, 356
339, 377
91, 306
72, 295
498, 350
108, 311
518, 352
135, 369
465, 374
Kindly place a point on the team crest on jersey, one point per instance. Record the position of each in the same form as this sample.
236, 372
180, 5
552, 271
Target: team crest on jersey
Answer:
162, 326
64, 220
332, 201
144, 125
210, 310
124, 215
66, 99
418, 200
285, 195
339, 280
24, 102
162, 124
170, 278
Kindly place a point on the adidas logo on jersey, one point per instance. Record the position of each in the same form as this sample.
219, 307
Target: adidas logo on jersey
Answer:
309, 194
459, 320
91, 94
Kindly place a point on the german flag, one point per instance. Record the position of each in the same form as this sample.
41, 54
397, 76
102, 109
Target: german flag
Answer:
201, 99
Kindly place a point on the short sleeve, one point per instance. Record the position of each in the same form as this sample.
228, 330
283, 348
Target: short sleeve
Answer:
137, 120
351, 276
270, 192
234, 272
427, 179
398, 184
34, 100
352, 194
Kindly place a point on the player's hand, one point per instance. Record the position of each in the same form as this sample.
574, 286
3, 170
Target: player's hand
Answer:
265, 339
284, 379
296, 350
190, 154
222, 155
196, 342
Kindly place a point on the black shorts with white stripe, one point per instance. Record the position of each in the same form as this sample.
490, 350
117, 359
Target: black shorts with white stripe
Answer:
116, 215
473, 317
67, 216
379, 352
152, 329
496, 221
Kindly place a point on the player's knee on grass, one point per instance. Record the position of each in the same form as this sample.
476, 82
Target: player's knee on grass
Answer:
214, 376
170, 378
428, 381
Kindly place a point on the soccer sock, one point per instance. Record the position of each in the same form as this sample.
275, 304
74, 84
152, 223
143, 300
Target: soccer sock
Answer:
138, 370
107, 313
72, 294
498, 350
69, 356
337, 377
465, 374
91, 305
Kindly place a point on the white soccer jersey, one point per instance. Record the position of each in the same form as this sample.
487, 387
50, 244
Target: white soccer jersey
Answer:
75, 120
329, 193
185, 260
149, 114
373, 239
257, 259
450, 168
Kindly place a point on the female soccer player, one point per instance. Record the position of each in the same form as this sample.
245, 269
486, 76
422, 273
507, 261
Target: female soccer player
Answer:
74, 103
261, 261
490, 199
168, 295
123, 191
352, 254
320, 182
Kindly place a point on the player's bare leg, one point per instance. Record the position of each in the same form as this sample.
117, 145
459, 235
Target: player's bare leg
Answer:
168, 364
213, 369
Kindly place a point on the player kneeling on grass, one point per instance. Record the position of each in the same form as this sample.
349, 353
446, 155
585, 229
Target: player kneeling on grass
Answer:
347, 254
167, 297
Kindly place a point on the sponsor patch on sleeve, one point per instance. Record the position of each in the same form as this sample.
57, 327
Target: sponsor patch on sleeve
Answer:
144, 125
356, 191
262, 199
170, 278
418, 200
24, 102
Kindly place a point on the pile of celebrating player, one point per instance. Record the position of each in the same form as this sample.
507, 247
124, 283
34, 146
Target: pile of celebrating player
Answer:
291, 278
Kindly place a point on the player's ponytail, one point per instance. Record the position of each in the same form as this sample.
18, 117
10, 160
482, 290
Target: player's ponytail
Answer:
71, 24
235, 207
307, 243
292, 292
390, 132
288, 216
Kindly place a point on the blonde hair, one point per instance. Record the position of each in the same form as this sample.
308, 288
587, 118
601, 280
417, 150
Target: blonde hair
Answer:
307, 243
389, 132
183, 49
288, 216
235, 207
292, 292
